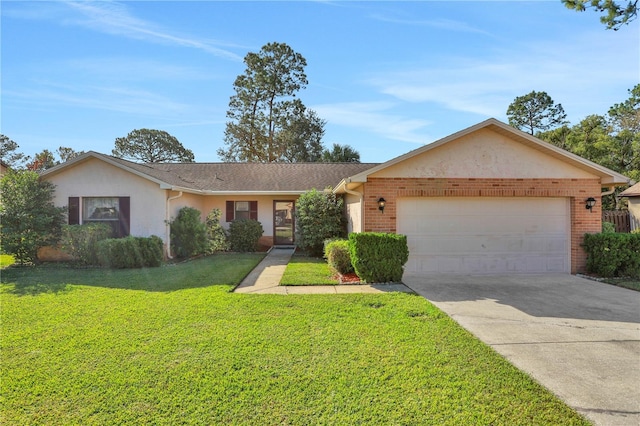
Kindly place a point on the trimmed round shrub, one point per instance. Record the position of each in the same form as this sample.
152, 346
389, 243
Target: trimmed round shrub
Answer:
244, 235
338, 256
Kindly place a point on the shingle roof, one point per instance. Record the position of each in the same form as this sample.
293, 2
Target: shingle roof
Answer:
633, 191
249, 177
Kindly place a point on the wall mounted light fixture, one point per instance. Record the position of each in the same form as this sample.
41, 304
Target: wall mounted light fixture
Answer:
590, 203
381, 203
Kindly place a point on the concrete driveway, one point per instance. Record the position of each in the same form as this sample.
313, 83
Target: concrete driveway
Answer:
577, 337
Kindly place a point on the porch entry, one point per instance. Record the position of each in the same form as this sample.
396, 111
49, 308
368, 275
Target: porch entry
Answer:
283, 222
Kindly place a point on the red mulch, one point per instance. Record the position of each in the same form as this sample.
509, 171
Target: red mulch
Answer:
349, 279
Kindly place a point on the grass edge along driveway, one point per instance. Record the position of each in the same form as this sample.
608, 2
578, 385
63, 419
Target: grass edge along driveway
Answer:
172, 345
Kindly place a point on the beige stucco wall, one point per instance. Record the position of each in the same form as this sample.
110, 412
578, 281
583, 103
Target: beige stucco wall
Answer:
353, 206
482, 154
148, 214
95, 178
634, 210
265, 207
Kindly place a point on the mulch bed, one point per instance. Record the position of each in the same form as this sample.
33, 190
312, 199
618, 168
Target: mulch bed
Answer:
351, 278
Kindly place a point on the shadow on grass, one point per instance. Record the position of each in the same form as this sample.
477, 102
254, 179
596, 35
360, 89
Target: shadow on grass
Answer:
33, 289
221, 269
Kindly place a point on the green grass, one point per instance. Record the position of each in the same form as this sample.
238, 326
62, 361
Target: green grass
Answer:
304, 270
172, 345
632, 283
6, 260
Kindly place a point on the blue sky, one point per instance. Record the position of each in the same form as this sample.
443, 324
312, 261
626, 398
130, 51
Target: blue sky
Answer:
387, 77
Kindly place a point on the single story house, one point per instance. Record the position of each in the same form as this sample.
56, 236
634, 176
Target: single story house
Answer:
633, 194
487, 199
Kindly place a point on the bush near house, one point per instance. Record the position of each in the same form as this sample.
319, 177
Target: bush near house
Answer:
613, 254
338, 256
188, 233
28, 218
130, 252
319, 216
378, 257
244, 235
216, 236
81, 241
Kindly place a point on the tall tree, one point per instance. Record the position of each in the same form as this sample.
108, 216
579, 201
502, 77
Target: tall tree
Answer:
65, 153
341, 154
9, 154
42, 161
152, 146
612, 141
535, 111
617, 13
266, 122
301, 135
45, 159
28, 218
624, 119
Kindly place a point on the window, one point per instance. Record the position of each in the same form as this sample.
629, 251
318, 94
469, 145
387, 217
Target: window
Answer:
241, 210
100, 209
113, 211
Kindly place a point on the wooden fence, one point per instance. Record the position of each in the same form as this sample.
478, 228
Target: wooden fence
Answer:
620, 218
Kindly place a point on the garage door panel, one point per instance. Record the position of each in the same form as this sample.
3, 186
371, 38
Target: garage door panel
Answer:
485, 235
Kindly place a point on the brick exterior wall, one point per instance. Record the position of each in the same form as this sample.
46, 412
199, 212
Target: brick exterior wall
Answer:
576, 190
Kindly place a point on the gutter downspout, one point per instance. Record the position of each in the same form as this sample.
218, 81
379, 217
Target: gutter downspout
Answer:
166, 221
609, 192
361, 198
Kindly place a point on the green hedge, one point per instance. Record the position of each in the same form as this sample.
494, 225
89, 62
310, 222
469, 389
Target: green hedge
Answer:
338, 257
130, 252
378, 257
81, 241
244, 235
613, 254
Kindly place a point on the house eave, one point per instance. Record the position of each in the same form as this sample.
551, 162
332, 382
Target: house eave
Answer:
608, 177
249, 192
92, 154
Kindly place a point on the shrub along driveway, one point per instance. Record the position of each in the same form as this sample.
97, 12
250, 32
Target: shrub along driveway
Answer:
579, 338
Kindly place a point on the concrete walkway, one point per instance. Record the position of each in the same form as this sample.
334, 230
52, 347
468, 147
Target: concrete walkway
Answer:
265, 279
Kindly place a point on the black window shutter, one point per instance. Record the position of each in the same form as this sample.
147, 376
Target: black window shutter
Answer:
231, 211
253, 210
74, 210
124, 216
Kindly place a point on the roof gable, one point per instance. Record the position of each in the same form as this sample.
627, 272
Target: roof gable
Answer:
483, 154
633, 191
467, 160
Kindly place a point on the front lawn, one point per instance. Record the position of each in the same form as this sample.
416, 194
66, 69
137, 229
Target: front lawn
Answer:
6, 260
631, 283
306, 270
172, 345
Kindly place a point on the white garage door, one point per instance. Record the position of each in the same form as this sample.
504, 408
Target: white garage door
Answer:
485, 235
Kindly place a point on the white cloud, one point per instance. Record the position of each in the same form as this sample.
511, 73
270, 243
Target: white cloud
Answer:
580, 73
117, 99
128, 68
114, 18
440, 24
374, 117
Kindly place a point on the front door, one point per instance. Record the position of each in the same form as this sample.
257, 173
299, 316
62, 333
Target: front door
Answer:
283, 222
